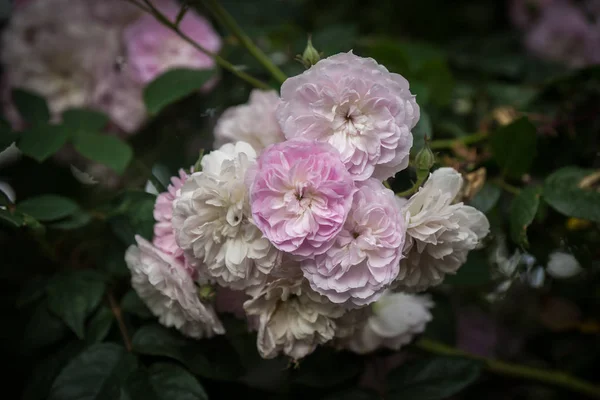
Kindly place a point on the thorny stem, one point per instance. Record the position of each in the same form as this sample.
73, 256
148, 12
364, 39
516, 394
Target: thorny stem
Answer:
450, 143
420, 179
116, 310
547, 376
229, 22
160, 17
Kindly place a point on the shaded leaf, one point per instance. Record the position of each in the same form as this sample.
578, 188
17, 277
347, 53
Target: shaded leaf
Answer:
474, 272
163, 381
132, 304
98, 373
10, 219
74, 221
48, 207
486, 198
108, 150
32, 290
133, 214
327, 367
43, 329
73, 297
99, 325
41, 141
172, 86
432, 378
514, 147
562, 192
31, 107
78, 121
522, 212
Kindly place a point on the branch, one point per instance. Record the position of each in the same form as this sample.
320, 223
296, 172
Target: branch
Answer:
450, 143
116, 310
547, 376
229, 22
160, 17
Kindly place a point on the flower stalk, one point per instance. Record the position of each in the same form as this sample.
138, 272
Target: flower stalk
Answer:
465, 140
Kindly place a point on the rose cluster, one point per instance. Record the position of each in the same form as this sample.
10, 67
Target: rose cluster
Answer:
288, 224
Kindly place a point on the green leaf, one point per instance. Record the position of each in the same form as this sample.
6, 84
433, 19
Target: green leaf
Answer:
436, 75
514, 147
432, 378
172, 86
47, 207
80, 121
73, 297
31, 107
98, 373
74, 221
7, 136
327, 367
99, 325
522, 212
211, 358
108, 150
164, 381
43, 329
32, 290
562, 192
474, 272
41, 141
11, 219
132, 304
132, 214
486, 198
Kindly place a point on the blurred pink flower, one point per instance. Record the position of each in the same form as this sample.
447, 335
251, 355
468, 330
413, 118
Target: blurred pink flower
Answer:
153, 48
300, 196
253, 122
365, 258
357, 106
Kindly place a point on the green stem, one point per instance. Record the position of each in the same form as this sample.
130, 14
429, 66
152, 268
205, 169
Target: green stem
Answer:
547, 376
449, 143
506, 186
229, 22
218, 59
420, 179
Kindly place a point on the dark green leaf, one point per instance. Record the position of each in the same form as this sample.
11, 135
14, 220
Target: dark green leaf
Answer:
132, 304
99, 325
41, 141
436, 75
164, 381
31, 107
514, 147
74, 221
73, 297
172, 86
7, 136
562, 192
33, 290
334, 38
133, 215
486, 198
211, 358
327, 367
11, 219
43, 329
432, 378
108, 150
98, 373
47, 207
522, 212
442, 326
474, 272
80, 121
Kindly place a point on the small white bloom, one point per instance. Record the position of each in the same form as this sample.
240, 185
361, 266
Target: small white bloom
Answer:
83, 177
168, 290
396, 319
562, 265
440, 234
292, 319
253, 122
212, 221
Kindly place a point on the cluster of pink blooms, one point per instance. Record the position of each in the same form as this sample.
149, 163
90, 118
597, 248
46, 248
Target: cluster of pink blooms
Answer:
97, 54
288, 224
563, 31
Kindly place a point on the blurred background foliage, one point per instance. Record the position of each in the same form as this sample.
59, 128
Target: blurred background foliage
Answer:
511, 123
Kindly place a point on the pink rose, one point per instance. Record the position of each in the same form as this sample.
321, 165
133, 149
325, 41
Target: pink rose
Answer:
357, 106
300, 195
365, 258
